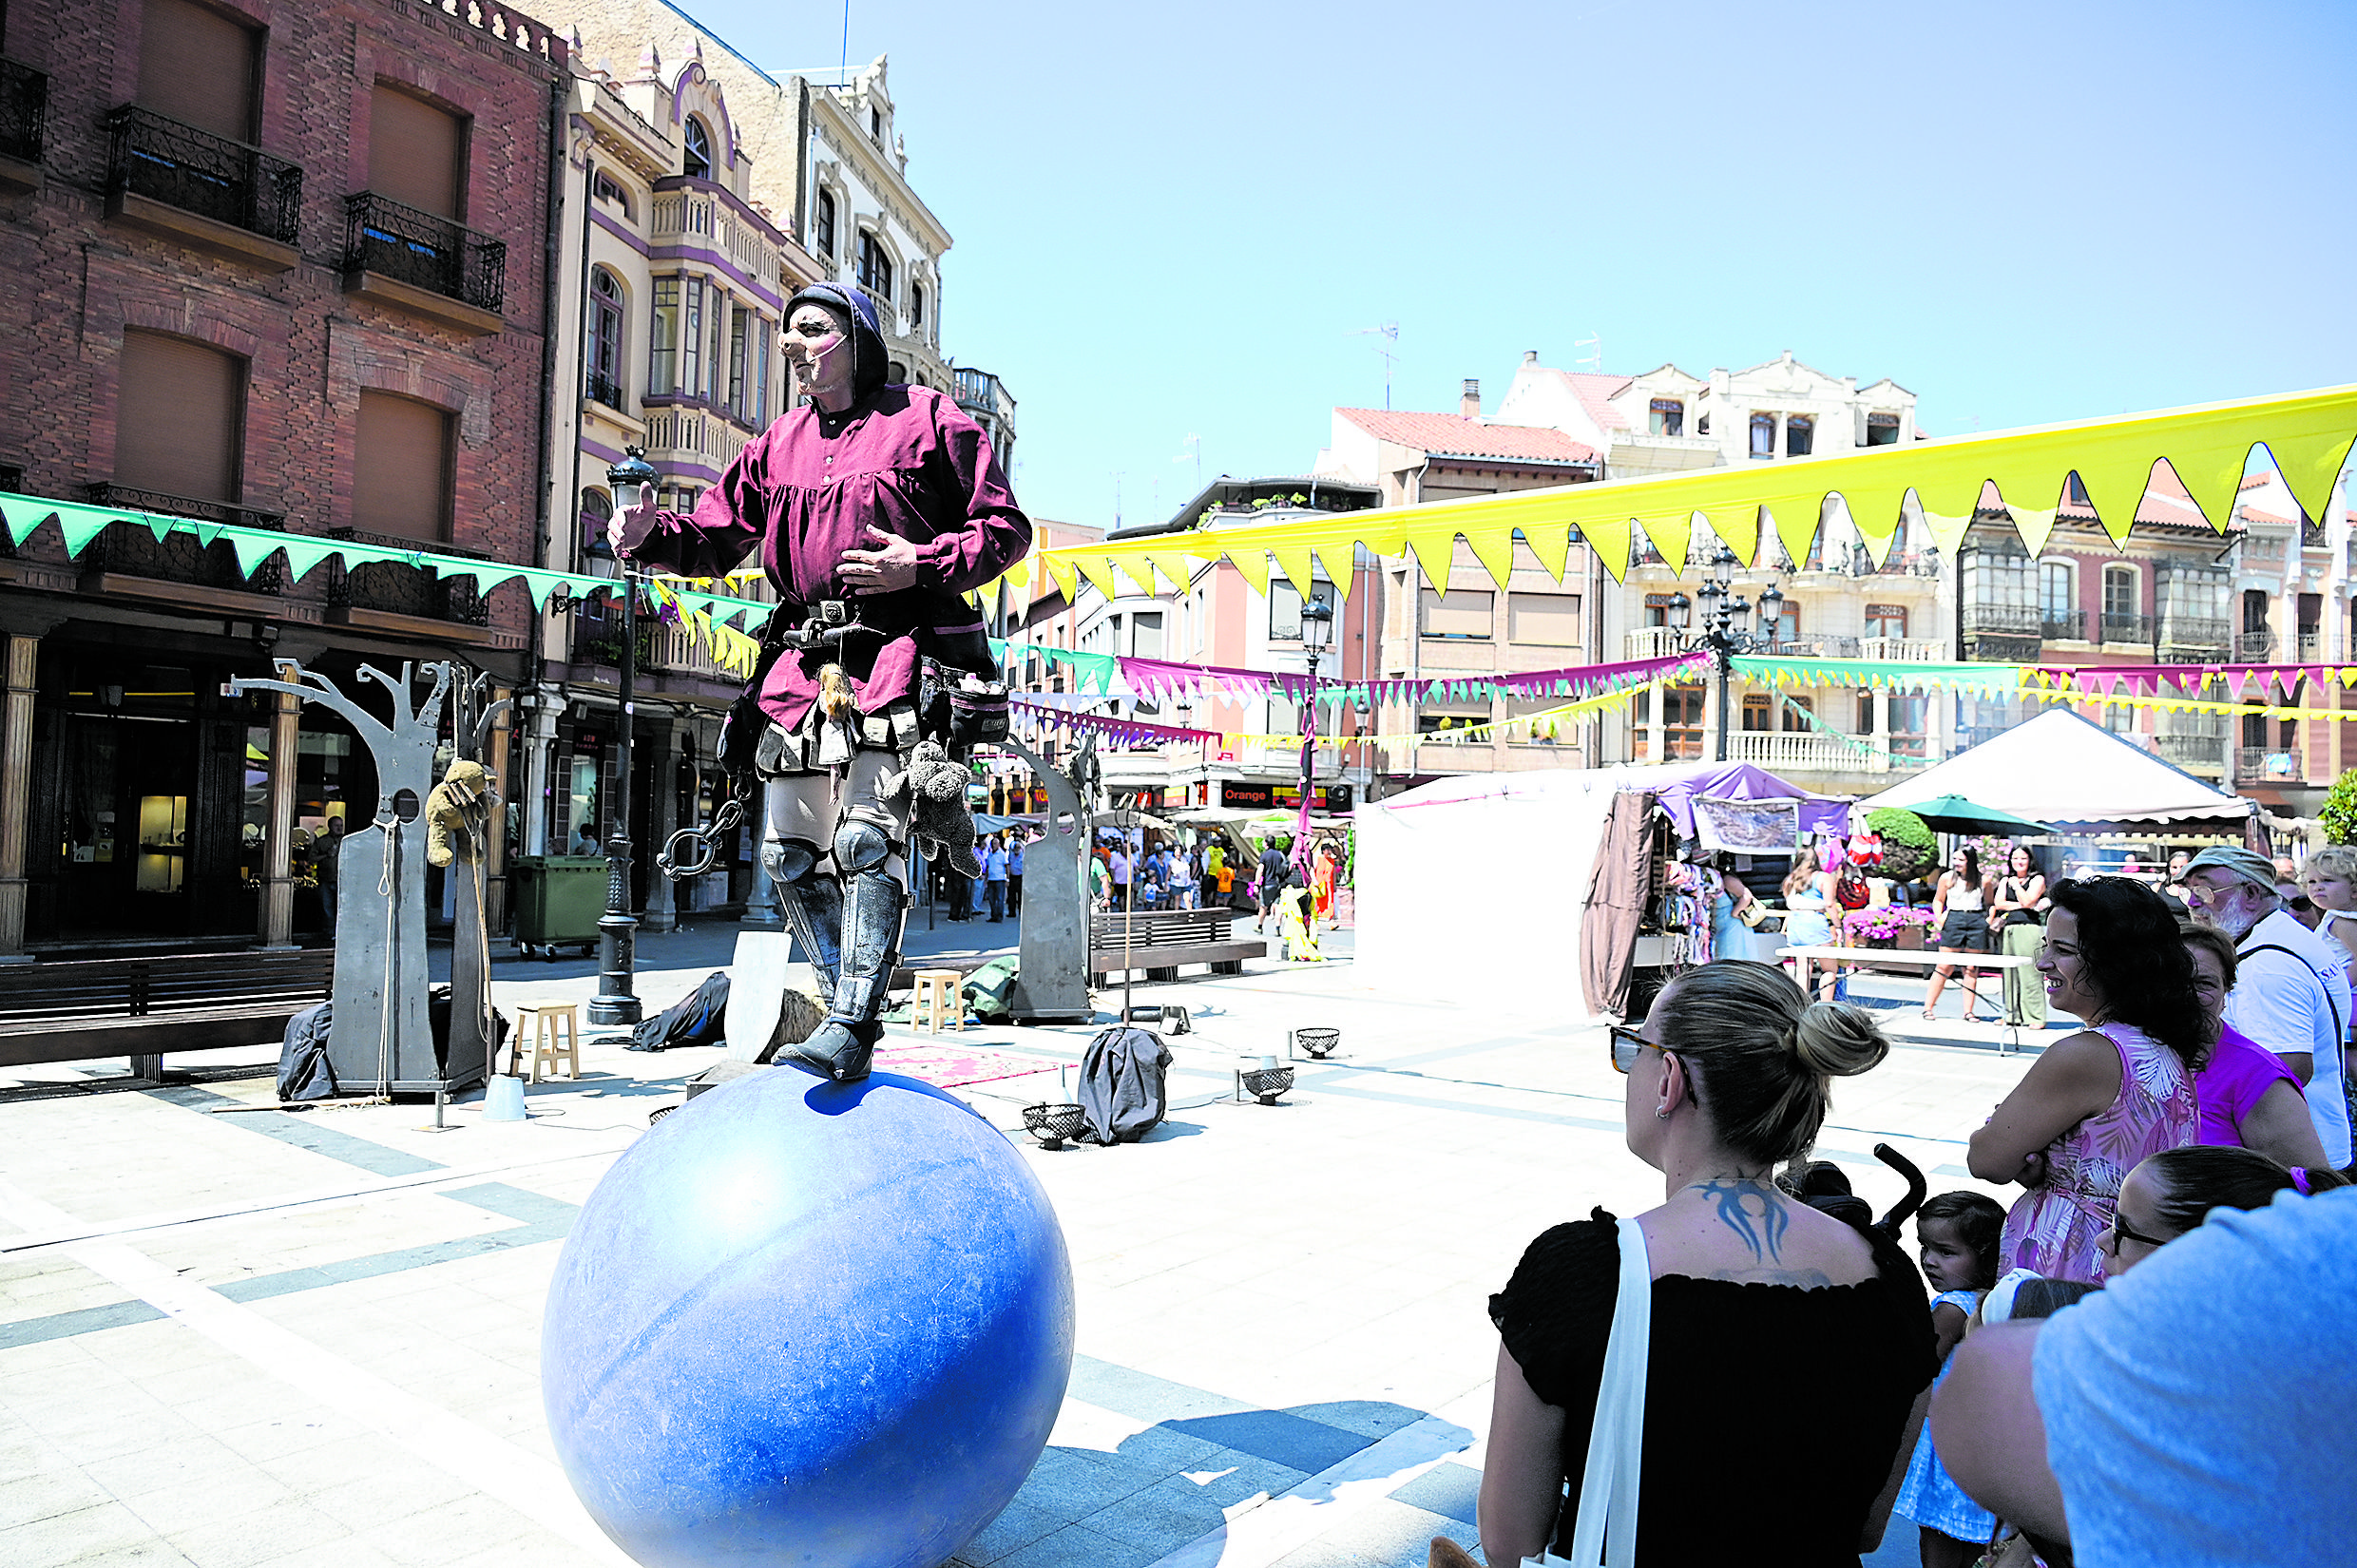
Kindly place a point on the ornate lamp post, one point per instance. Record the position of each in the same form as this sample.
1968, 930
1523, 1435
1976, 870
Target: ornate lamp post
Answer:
1722, 631
615, 1002
1317, 631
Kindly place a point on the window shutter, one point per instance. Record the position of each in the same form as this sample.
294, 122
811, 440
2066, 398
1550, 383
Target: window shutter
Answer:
401, 483
412, 152
1545, 619
1465, 612
179, 412
197, 66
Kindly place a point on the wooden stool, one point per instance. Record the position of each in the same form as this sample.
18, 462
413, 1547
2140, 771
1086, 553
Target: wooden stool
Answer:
939, 997
548, 1046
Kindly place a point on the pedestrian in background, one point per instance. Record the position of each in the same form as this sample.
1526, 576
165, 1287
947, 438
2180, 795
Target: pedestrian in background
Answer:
2291, 990
994, 874
2097, 1101
2020, 906
1014, 870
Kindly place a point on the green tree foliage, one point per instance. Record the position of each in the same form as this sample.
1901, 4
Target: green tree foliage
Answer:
1908, 849
2338, 812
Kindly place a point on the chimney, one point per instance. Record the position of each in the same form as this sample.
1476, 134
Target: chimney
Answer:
1530, 356
1470, 404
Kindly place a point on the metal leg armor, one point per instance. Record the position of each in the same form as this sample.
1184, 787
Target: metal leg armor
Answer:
811, 902
874, 904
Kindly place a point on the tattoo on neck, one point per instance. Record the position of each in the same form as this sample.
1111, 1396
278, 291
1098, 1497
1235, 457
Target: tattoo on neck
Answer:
1761, 1229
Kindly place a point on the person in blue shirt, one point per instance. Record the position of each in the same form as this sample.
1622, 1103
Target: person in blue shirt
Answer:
994, 873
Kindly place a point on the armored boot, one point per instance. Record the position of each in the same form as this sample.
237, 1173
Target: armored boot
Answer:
874, 904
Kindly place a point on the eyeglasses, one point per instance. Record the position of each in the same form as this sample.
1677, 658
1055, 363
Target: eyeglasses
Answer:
1627, 1045
2122, 1230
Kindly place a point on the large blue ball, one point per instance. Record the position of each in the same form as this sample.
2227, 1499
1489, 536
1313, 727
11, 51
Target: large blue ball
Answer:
808, 1324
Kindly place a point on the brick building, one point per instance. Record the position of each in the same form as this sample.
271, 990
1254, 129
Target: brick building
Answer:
281, 265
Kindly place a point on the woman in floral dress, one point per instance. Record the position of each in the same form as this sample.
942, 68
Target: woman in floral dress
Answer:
2095, 1105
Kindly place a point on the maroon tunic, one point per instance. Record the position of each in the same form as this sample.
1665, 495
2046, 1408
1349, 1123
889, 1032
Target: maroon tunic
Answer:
906, 460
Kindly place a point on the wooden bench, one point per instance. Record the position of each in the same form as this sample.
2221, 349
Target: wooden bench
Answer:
1162, 940
142, 1007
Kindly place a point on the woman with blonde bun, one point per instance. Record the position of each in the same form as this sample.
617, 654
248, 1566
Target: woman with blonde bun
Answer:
1765, 1313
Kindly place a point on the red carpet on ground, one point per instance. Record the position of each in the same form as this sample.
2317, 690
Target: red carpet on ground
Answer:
946, 1065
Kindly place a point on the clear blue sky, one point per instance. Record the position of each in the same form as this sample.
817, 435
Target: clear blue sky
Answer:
1171, 221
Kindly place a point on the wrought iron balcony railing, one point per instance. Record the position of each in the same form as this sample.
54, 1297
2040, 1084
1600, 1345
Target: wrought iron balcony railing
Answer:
2063, 625
2254, 646
2268, 765
23, 108
384, 236
2003, 619
133, 550
395, 589
198, 172
601, 389
2127, 628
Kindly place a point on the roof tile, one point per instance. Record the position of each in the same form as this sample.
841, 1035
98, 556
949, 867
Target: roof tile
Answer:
1454, 436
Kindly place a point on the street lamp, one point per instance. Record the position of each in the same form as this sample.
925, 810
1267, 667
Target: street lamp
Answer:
1317, 631
1722, 630
615, 1003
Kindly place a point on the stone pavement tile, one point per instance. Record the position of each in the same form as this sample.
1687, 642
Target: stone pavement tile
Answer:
262, 1535
364, 1501
292, 1430
196, 1461
106, 1532
206, 1500
1449, 1489
107, 1425
1076, 1546
543, 1551
1162, 1518
1018, 1525
51, 1490
1384, 1534
1072, 1484
345, 1552
463, 1527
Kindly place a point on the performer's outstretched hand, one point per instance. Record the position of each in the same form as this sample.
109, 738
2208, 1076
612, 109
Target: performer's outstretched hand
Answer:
629, 526
888, 566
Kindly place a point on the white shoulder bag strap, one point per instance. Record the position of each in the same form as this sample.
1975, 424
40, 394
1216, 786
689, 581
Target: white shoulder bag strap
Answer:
1606, 1528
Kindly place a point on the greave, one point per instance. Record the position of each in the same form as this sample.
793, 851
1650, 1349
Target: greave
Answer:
872, 905
812, 905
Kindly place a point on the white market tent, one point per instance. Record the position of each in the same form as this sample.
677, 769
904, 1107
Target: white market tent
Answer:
1473, 887
2061, 769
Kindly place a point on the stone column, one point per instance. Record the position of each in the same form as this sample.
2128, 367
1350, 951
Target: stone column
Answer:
277, 900
21, 657
663, 820
495, 849
1882, 729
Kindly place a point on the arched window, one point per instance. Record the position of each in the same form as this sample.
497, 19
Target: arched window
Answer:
605, 322
917, 307
698, 163
597, 510
1763, 436
875, 268
823, 227
1800, 435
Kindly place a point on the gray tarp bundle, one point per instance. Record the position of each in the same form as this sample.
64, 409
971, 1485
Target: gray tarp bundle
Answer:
1121, 1087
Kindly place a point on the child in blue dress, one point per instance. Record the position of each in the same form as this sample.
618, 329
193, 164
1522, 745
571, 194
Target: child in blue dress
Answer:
1959, 1233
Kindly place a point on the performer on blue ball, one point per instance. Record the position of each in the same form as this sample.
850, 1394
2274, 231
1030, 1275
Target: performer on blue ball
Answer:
885, 501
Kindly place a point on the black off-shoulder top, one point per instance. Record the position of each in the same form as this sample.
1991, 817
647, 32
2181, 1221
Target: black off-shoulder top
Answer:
1773, 1413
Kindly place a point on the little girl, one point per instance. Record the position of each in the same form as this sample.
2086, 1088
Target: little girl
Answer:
1959, 1233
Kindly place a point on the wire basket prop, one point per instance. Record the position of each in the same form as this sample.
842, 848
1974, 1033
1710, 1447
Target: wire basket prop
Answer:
1316, 1043
1052, 1124
1262, 1077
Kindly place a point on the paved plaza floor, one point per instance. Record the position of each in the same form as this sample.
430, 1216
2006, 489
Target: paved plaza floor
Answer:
232, 1336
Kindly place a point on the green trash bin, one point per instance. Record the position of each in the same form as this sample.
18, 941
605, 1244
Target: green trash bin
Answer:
559, 898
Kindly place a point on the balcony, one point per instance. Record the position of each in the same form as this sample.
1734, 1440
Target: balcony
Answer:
2196, 639
127, 561
409, 601
1650, 643
203, 191
692, 213
2004, 634
2311, 644
1793, 751
665, 650
2200, 752
2134, 629
24, 110
2063, 625
598, 388
2260, 765
424, 266
2254, 647
1902, 650
980, 393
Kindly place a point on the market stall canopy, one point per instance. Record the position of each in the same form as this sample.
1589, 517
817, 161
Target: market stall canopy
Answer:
1953, 814
2061, 769
1474, 884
